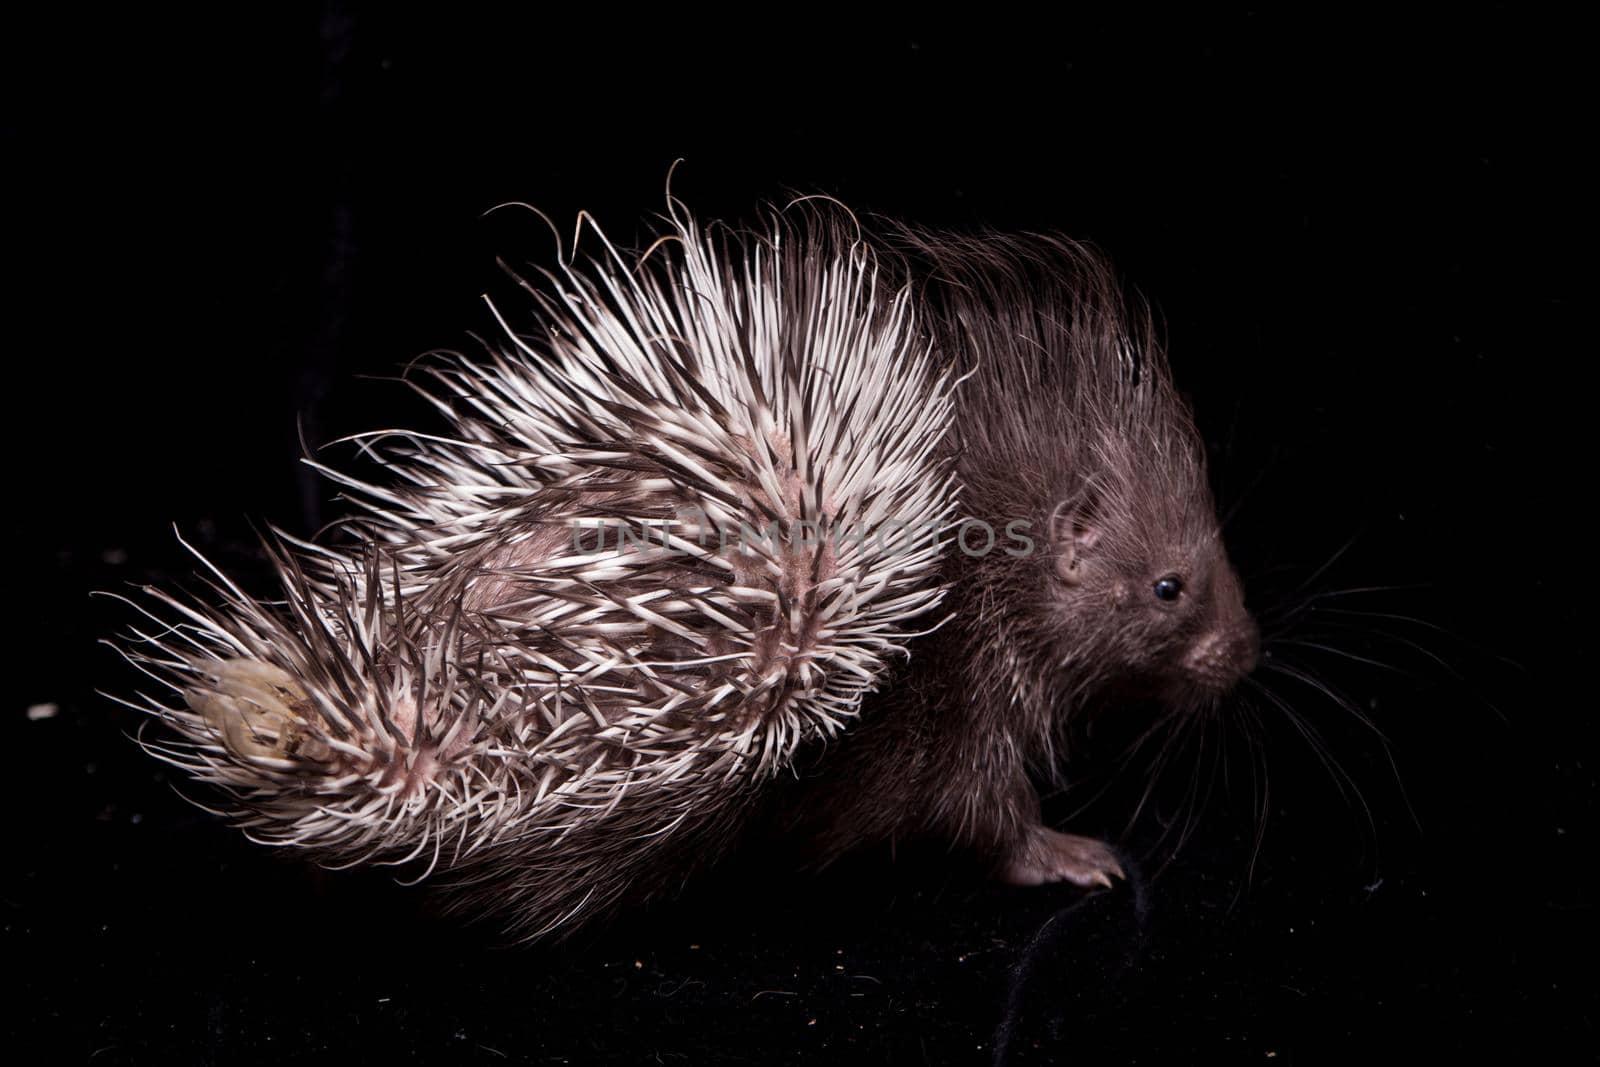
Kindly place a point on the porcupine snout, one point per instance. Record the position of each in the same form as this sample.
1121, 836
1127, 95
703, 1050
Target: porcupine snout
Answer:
1221, 657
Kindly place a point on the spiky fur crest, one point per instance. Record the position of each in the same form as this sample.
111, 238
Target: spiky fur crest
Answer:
461, 681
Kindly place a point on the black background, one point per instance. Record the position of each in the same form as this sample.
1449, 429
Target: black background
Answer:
1367, 237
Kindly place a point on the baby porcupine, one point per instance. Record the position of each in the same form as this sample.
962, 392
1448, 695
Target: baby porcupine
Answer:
1091, 572
564, 725
573, 632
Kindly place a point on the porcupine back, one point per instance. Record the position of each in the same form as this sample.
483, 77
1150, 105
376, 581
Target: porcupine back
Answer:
538, 659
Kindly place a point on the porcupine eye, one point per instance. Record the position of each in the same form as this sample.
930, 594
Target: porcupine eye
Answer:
1169, 588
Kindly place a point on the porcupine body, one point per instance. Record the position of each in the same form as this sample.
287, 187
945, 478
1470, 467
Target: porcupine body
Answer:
1090, 577
569, 635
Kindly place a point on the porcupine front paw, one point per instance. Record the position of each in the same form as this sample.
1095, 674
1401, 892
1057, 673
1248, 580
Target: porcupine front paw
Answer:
1045, 856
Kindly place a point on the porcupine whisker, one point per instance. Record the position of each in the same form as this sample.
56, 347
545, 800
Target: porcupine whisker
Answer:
1281, 665
1348, 789
1215, 766
1362, 590
1161, 727
1346, 704
1194, 803
1248, 717
1367, 614
1307, 642
1368, 626
1338, 554
1315, 601
1350, 625
1175, 740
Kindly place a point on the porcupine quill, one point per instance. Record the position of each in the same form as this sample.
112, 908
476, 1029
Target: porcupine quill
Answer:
536, 666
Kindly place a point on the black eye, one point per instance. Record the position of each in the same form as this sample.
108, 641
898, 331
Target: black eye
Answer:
1169, 588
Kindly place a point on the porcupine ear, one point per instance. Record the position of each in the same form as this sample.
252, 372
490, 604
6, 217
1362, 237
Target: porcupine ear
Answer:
1074, 532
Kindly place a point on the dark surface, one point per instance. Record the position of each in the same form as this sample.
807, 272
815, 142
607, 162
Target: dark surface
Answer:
1368, 244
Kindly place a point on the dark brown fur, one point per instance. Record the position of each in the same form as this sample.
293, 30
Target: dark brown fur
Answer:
1069, 422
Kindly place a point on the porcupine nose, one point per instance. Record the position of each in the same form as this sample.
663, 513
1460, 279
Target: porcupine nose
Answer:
1220, 658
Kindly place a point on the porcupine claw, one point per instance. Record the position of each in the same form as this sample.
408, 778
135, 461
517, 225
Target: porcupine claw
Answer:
1047, 856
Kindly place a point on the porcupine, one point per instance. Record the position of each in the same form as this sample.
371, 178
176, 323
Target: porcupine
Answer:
1090, 574
535, 661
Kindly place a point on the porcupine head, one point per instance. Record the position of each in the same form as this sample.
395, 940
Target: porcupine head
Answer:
1092, 576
